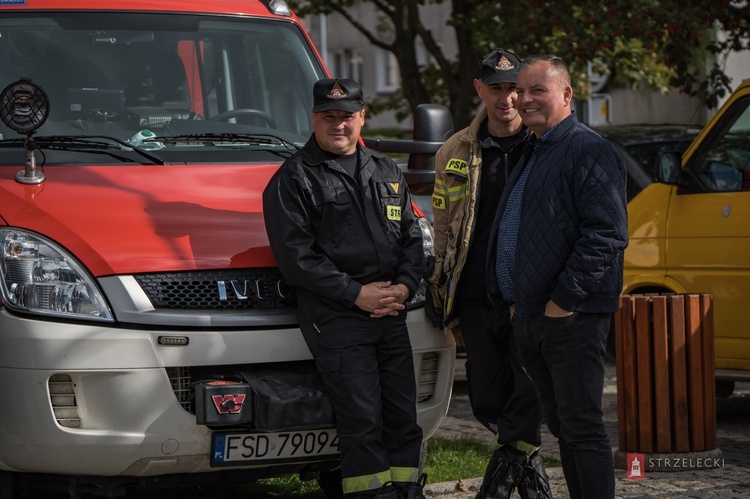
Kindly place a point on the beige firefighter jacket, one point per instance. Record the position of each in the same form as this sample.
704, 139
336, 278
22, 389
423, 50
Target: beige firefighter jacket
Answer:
454, 201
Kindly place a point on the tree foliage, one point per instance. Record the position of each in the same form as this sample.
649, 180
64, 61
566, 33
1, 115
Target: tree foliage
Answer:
655, 44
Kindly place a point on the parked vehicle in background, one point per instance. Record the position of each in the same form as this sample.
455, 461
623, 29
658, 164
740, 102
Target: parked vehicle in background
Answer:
690, 231
144, 325
639, 146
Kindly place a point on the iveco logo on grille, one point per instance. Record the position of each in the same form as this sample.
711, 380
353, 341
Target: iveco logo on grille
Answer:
263, 289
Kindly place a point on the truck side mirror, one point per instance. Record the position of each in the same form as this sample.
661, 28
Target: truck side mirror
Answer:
432, 123
669, 168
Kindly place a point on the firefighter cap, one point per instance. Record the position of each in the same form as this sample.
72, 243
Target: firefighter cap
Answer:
337, 94
499, 66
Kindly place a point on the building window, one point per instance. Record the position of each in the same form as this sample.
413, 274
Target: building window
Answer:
346, 63
388, 76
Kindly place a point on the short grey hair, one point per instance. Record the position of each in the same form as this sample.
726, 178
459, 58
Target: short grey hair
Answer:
559, 68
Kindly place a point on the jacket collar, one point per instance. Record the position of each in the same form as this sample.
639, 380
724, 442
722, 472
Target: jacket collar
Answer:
557, 132
476, 123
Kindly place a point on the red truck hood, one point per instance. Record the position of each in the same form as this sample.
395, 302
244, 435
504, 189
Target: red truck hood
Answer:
131, 219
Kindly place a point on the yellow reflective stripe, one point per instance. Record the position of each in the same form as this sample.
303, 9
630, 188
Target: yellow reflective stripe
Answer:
404, 474
524, 447
458, 192
448, 304
365, 482
454, 193
450, 292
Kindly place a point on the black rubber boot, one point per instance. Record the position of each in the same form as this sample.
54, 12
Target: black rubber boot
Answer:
534, 482
503, 474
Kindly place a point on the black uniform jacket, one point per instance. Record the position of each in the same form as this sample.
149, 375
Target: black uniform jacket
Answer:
331, 234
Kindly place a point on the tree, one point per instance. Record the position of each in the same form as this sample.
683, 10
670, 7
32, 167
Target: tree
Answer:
659, 45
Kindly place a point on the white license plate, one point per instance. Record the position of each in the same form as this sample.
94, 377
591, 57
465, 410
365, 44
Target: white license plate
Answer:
234, 449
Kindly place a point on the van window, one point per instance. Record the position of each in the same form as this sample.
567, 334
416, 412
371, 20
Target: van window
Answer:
725, 165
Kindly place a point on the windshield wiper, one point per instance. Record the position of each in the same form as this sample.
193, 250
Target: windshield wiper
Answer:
82, 143
267, 141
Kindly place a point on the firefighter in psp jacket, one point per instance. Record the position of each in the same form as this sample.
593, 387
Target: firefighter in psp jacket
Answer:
341, 226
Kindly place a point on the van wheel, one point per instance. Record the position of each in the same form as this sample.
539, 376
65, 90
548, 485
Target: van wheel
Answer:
724, 388
6, 485
329, 482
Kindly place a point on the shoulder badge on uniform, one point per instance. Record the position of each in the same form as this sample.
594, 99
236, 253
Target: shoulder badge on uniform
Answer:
456, 165
393, 212
438, 202
394, 186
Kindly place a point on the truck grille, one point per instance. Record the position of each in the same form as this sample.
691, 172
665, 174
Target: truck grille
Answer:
236, 289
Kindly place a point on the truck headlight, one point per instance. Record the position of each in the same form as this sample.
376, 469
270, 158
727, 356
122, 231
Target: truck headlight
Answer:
428, 237
38, 276
428, 244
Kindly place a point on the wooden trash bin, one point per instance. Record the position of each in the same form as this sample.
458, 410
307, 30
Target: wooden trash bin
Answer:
666, 393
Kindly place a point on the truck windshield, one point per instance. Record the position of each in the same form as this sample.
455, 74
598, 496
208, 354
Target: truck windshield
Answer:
135, 75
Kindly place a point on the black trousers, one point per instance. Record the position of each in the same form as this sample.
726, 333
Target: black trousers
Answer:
502, 396
368, 369
565, 358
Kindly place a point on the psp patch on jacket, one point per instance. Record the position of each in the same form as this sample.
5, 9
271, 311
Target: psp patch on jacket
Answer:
438, 202
457, 166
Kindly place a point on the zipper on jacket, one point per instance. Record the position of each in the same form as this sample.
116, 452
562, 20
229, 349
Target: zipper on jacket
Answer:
450, 290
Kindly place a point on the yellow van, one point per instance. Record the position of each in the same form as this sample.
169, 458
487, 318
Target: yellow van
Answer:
690, 231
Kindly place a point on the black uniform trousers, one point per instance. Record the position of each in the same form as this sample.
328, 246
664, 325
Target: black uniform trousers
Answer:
367, 367
502, 396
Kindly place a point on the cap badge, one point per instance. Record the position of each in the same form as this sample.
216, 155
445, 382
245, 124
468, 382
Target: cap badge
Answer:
337, 92
504, 64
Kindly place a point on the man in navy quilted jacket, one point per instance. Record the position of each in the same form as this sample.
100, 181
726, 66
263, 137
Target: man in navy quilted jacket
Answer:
557, 254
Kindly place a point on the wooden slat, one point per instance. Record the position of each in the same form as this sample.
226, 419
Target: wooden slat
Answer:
695, 372
646, 435
626, 379
678, 355
709, 375
661, 374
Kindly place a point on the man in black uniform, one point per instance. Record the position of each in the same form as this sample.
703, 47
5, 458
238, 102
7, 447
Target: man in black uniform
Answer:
341, 226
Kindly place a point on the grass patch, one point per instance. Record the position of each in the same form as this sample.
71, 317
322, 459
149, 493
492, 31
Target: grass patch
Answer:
451, 459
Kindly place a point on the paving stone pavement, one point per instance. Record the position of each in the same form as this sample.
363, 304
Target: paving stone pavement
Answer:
722, 473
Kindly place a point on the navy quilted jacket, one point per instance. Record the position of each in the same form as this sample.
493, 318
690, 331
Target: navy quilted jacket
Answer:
573, 229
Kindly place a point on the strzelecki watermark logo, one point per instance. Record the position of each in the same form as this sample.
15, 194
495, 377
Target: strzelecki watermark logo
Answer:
683, 463
636, 466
